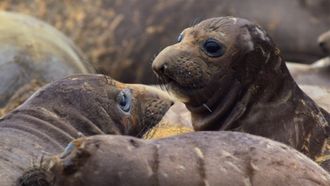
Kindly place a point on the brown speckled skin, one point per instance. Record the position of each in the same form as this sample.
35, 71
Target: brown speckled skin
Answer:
80, 105
121, 37
247, 89
195, 159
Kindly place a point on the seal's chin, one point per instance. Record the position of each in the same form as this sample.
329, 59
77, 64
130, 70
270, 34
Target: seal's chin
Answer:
182, 91
179, 92
185, 88
154, 111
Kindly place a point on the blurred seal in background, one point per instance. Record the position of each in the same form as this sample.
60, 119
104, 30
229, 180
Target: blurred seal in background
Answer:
33, 53
121, 37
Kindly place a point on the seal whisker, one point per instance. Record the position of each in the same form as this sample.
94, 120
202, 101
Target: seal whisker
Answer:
165, 85
41, 159
162, 84
167, 88
208, 108
143, 122
195, 21
151, 133
144, 128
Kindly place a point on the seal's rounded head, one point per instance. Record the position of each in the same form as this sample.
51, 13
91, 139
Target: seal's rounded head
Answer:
113, 107
211, 51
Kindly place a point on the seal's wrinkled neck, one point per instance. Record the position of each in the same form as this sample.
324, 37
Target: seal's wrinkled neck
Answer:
270, 105
280, 110
73, 119
211, 113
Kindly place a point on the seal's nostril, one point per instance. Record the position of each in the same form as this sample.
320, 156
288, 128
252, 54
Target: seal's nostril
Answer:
160, 68
323, 47
163, 68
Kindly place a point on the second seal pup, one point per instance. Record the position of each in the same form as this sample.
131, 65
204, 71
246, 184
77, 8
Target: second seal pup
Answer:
81, 105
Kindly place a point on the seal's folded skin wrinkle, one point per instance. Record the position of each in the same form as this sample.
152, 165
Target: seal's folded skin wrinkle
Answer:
200, 158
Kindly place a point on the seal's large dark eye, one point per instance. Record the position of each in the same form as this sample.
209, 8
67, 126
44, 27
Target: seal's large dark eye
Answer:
213, 48
124, 100
180, 37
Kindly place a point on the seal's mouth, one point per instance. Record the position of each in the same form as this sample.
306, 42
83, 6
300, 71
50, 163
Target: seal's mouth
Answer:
181, 73
183, 88
154, 111
150, 115
150, 108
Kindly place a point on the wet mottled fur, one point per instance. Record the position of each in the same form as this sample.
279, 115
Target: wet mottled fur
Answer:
248, 88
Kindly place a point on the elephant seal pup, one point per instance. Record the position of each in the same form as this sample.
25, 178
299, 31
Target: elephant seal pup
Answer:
231, 76
80, 105
201, 158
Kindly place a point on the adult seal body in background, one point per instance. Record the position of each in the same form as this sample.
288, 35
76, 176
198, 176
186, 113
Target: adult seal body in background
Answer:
32, 54
231, 76
121, 37
80, 105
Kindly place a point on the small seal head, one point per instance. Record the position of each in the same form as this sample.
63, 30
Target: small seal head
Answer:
91, 104
216, 62
215, 53
215, 49
97, 104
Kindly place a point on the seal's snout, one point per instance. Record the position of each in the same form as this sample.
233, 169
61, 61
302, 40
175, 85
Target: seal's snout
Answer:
151, 105
160, 67
154, 110
164, 62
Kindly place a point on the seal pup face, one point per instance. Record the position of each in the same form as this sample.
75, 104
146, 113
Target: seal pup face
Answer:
216, 63
97, 104
206, 53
